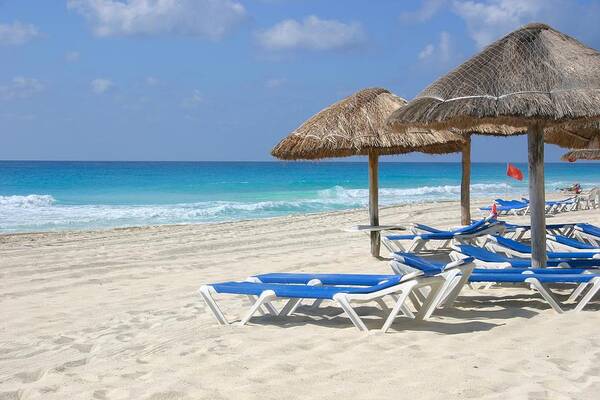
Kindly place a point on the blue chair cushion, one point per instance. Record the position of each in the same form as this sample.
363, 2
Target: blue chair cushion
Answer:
300, 291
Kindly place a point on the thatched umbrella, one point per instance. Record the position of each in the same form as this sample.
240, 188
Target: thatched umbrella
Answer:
587, 137
356, 125
592, 152
532, 79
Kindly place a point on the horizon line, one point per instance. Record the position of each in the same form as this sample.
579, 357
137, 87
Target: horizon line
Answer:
282, 161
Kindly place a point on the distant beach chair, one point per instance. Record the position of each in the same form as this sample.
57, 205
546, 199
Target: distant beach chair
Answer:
513, 248
509, 207
555, 207
517, 232
487, 259
342, 289
419, 241
539, 279
590, 200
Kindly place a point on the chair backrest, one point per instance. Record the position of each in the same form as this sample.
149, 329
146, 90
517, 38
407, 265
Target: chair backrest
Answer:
479, 253
512, 244
478, 225
570, 242
589, 229
419, 263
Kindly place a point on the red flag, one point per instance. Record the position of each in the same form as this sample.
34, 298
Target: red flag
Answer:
514, 172
494, 210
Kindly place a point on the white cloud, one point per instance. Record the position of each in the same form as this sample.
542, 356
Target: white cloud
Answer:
17, 33
275, 83
101, 85
194, 100
152, 81
72, 56
427, 51
441, 52
427, 11
312, 33
488, 20
203, 18
20, 88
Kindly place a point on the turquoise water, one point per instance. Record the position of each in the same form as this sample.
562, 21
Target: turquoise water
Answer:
38, 196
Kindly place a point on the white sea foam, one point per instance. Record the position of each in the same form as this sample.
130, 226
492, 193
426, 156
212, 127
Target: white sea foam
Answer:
29, 201
43, 212
423, 193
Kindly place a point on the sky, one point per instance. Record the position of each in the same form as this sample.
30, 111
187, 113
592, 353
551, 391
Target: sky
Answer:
227, 79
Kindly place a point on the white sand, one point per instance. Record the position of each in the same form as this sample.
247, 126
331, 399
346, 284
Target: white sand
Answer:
114, 315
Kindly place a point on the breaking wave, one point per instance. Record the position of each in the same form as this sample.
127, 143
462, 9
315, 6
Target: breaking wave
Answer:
37, 212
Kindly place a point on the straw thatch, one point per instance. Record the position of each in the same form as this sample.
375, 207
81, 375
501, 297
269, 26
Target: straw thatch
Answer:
532, 76
581, 154
592, 152
356, 125
578, 135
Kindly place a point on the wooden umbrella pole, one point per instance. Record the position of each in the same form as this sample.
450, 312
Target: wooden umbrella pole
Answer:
374, 202
465, 185
537, 197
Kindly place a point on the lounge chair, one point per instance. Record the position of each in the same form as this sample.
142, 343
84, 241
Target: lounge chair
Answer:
513, 248
564, 243
340, 288
419, 241
587, 233
508, 207
486, 259
537, 278
590, 199
517, 232
554, 207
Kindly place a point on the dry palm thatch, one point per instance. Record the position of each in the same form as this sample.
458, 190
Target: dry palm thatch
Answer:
581, 154
534, 76
592, 152
356, 125
577, 135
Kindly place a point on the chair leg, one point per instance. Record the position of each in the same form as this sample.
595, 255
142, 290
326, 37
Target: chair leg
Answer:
289, 307
343, 302
252, 300
264, 299
400, 302
415, 300
435, 296
405, 309
546, 294
382, 305
590, 294
454, 289
417, 245
317, 303
577, 292
206, 293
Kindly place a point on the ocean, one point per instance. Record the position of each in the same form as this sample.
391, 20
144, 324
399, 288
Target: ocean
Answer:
44, 196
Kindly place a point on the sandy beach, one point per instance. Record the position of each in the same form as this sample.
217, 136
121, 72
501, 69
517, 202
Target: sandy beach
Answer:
114, 315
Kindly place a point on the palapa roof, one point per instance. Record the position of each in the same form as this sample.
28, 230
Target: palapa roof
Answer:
592, 152
532, 76
356, 125
581, 154
576, 135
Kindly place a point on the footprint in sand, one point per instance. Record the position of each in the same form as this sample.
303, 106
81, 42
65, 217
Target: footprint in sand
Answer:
64, 340
17, 395
30, 376
168, 396
71, 364
83, 347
